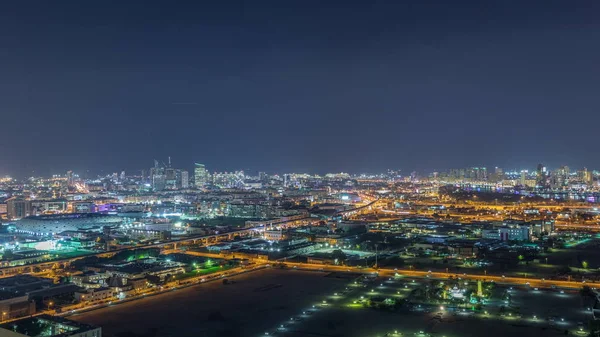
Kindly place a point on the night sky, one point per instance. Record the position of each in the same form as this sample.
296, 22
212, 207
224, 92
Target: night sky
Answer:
305, 86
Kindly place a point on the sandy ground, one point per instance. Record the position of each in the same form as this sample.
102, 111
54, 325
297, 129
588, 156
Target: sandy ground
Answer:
255, 303
265, 300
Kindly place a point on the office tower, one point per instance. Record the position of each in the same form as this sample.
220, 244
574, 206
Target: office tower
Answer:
201, 175
585, 176
70, 179
541, 175
523, 177
562, 176
17, 208
477, 173
185, 179
170, 178
157, 176
482, 174
496, 176
229, 179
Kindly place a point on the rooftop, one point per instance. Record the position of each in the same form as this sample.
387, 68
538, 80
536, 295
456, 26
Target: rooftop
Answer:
46, 325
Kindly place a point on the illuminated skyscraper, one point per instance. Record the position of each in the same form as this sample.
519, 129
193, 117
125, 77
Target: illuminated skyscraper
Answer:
541, 175
201, 175
523, 177
157, 176
185, 179
70, 179
562, 176
585, 176
170, 178
18, 208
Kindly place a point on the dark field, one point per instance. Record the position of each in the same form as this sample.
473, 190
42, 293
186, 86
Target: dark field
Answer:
255, 303
290, 303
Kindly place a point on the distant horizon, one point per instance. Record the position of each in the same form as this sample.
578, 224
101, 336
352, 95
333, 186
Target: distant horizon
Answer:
190, 169
306, 86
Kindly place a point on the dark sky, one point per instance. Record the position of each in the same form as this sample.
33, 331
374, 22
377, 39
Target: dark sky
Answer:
305, 85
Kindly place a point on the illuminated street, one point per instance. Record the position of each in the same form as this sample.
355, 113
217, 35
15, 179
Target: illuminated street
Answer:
299, 168
333, 305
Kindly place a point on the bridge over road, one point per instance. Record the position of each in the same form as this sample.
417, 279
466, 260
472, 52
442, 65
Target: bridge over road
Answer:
8, 271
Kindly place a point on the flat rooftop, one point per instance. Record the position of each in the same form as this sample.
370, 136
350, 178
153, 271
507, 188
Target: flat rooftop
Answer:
47, 326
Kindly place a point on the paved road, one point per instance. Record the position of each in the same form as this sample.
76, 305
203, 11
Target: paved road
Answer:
541, 283
534, 282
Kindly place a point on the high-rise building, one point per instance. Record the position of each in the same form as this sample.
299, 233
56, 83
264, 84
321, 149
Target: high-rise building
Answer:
523, 177
229, 179
70, 179
477, 173
562, 176
157, 176
585, 176
185, 179
496, 176
17, 208
541, 175
170, 178
201, 175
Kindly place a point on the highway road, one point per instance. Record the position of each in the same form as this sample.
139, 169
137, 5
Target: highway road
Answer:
533, 282
384, 272
9, 271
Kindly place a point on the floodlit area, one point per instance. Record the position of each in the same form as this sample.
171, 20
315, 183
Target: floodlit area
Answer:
251, 305
416, 307
279, 303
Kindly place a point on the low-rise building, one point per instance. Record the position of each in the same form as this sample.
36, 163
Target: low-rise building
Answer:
24, 283
516, 233
138, 283
51, 326
15, 305
94, 295
90, 279
149, 234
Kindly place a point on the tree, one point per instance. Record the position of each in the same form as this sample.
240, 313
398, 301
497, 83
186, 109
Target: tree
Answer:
584, 264
8, 254
339, 255
586, 291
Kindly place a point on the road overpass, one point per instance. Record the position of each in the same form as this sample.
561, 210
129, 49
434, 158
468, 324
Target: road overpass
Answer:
62, 263
534, 282
352, 211
525, 205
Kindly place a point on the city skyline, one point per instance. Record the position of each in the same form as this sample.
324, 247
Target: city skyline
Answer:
299, 168
189, 168
306, 86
